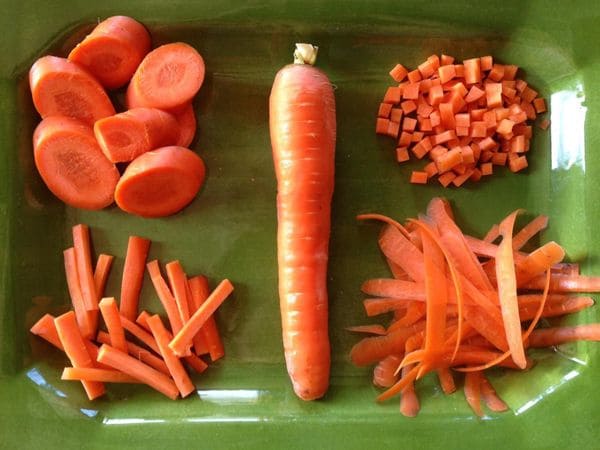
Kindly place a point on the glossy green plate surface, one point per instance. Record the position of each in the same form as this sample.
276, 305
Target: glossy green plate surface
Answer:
245, 400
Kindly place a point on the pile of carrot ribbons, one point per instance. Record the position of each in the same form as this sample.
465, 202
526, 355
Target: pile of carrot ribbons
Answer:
158, 354
463, 304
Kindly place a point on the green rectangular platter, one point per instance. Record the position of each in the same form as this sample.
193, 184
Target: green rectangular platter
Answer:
245, 400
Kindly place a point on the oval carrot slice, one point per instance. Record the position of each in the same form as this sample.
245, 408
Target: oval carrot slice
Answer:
60, 87
125, 136
186, 119
113, 50
72, 165
303, 132
161, 182
167, 77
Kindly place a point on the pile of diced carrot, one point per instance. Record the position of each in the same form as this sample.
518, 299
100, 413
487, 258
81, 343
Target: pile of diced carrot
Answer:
466, 118
463, 304
157, 356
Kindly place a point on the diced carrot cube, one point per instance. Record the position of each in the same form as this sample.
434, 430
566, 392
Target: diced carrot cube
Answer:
476, 175
497, 72
540, 105
435, 61
510, 71
405, 139
402, 154
424, 124
508, 92
520, 85
417, 136
460, 70
445, 60
436, 95
462, 131
524, 130
435, 118
411, 91
446, 178
392, 95
544, 124
444, 136
486, 63
474, 94
486, 168
414, 76
462, 120
384, 110
418, 177
472, 70
505, 126
517, 164
477, 114
419, 150
393, 129
396, 115
501, 113
408, 106
493, 95
467, 154
447, 115
431, 169
457, 102
489, 117
398, 73
448, 160
437, 151
478, 129
517, 144
528, 94
409, 124
460, 179
426, 69
425, 85
446, 73
487, 143
529, 110
382, 125
499, 159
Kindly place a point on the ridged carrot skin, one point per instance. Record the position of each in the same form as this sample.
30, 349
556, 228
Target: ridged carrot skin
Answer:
303, 131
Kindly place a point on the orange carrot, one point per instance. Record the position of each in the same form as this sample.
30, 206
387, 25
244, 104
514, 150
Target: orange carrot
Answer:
137, 369
178, 282
446, 380
46, 329
209, 333
140, 333
178, 373
186, 121
547, 337
507, 291
303, 132
113, 50
138, 352
126, 135
60, 87
184, 337
84, 317
101, 272
528, 231
473, 391
110, 314
96, 375
490, 397
165, 296
368, 329
74, 346
133, 275
72, 165
168, 77
566, 283
160, 182
83, 258
384, 371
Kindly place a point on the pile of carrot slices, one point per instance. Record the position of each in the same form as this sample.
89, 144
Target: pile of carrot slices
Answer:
466, 118
135, 346
81, 137
463, 304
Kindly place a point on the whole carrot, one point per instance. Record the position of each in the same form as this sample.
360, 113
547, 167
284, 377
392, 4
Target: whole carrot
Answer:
303, 131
